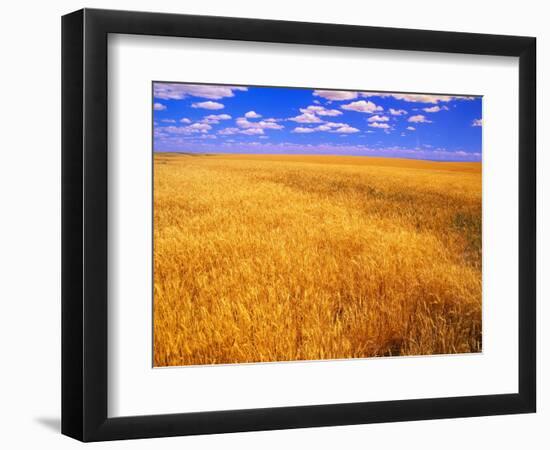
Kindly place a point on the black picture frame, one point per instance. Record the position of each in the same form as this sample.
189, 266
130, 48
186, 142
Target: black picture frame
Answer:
84, 224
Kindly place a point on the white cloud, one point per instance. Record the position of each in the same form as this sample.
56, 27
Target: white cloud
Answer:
251, 131
323, 128
303, 130
346, 129
362, 106
215, 118
168, 121
418, 98
336, 124
411, 128
432, 109
320, 111
335, 95
436, 108
306, 117
229, 131
219, 116
243, 122
333, 127
377, 118
185, 120
419, 118
384, 126
477, 123
330, 112
202, 127
208, 105
190, 129
252, 115
327, 126
159, 107
177, 91
397, 112
250, 128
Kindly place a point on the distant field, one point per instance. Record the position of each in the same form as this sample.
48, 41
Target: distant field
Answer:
280, 258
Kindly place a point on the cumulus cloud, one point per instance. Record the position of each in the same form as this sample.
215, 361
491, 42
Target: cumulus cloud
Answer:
345, 129
333, 127
336, 124
306, 117
384, 126
250, 128
168, 121
215, 118
335, 95
397, 112
418, 98
377, 118
328, 126
208, 105
477, 123
185, 120
229, 131
419, 118
202, 127
177, 91
243, 122
219, 116
251, 131
362, 106
323, 128
159, 107
189, 129
436, 108
320, 111
303, 130
411, 128
252, 115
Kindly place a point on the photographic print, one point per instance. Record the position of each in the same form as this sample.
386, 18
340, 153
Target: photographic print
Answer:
294, 224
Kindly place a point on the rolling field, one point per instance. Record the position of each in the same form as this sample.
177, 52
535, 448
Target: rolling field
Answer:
277, 258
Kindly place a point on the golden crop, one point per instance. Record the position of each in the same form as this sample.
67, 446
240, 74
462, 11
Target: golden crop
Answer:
280, 258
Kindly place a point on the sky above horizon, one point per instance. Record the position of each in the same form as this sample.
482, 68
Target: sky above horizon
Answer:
201, 118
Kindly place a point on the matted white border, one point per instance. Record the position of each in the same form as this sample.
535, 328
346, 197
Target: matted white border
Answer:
135, 388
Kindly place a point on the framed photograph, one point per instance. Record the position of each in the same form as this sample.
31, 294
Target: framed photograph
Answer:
273, 225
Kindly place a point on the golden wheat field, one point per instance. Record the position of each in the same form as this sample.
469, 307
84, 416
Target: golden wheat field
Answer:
263, 258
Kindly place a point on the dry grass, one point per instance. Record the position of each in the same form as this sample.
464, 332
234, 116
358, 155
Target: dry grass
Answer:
279, 258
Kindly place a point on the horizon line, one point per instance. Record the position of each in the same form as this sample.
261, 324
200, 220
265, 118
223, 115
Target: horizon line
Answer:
187, 152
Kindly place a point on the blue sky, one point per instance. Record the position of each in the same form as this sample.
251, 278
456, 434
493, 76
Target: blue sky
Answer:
205, 118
